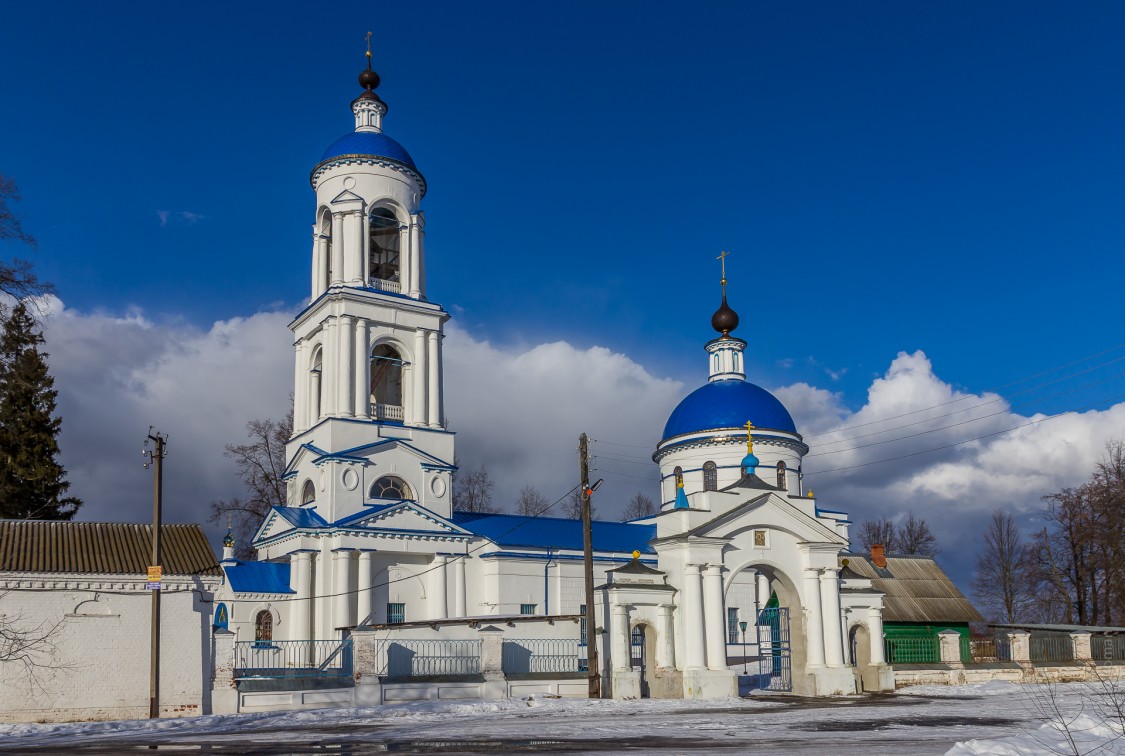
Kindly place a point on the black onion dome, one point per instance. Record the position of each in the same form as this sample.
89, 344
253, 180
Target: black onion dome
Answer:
725, 319
368, 79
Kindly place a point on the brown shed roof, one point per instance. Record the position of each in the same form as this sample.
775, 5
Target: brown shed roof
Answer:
102, 548
916, 590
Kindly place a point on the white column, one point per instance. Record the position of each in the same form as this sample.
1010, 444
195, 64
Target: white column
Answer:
763, 592
433, 405
714, 621
346, 367
337, 248
320, 277
460, 597
875, 629
342, 588
314, 278
830, 610
328, 367
619, 633
814, 622
416, 289
359, 249
406, 260
666, 642
365, 598
362, 371
300, 564
300, 386
439, 593
316, 398
418, 380
692, 619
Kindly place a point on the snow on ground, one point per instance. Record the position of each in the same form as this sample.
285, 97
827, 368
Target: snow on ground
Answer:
993, 718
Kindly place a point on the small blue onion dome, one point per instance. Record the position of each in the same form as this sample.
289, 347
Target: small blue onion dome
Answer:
229, 540
727, 404
373, 143
749, 464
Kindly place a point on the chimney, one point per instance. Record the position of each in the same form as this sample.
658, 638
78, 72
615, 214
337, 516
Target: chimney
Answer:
877, 556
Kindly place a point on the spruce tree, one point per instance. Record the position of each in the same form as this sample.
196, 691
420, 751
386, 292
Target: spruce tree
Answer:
32, 482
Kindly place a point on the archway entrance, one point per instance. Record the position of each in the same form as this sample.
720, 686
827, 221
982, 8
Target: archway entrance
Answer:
775, 668
767, 600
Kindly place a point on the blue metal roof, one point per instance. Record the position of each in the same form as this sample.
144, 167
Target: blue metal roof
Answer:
301, 517
728, 404
556, 532
369, 143
258, 577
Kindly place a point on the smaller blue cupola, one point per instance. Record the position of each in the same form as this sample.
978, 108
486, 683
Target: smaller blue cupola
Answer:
749, 462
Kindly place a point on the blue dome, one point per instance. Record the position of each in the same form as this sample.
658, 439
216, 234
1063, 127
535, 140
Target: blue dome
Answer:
728, 404
369, 143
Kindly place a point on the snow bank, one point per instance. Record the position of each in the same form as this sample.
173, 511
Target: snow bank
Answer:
1083, 734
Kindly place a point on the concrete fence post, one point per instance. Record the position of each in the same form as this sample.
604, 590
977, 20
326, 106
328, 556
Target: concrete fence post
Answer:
492, 663
1081, 644
950, 647
1020, 643
366, 668
224, 689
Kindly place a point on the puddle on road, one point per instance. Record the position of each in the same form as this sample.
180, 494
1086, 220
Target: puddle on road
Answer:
874, 725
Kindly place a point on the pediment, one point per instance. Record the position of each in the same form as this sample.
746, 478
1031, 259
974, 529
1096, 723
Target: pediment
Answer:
304, 452
345, 197
274, 524
403, 517
368, 451
772, 510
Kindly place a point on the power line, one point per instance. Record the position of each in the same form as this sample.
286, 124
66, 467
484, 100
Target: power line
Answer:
966, 441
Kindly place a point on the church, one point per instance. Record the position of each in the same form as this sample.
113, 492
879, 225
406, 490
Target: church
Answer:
369, 538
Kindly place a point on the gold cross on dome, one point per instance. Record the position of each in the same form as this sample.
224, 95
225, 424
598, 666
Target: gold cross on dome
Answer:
723, 261
749, 437
368, 38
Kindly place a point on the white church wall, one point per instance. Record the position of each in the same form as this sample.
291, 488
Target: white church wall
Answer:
98, 667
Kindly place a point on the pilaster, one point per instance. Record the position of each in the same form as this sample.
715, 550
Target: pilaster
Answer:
714, 622
814, 622
830, 611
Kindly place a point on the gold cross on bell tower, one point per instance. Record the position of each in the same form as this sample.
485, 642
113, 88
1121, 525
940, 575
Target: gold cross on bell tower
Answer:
722, 258
749, 437
368, 38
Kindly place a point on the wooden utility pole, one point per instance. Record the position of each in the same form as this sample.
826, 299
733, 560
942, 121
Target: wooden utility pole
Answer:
156, 459
592, 667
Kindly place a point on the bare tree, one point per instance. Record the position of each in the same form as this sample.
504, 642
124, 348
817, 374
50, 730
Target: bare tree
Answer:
639, 506
260, 463
1001, 585
573, 506
915, 538
17, 279
531, 502
472, 491
881, 531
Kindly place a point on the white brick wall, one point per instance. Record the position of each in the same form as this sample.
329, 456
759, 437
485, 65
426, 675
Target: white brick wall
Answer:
99, 667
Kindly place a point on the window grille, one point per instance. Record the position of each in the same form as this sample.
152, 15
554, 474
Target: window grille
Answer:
710, 476
781, 476
527, 608
263, 626
582, 626
732, 624
396, 614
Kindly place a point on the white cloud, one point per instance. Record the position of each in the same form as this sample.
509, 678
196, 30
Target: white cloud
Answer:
184, 216
519, 410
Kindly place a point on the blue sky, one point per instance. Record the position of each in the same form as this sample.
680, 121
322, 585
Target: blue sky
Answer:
888, 178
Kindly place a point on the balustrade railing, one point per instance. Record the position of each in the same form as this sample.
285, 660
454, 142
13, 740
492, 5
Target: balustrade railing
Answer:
418, 658
527, 655
913, 651
386, 411
394, 287
307, 658
1052, 648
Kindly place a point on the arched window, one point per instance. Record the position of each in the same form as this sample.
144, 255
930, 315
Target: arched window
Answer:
677, 475
263, 626
386, 383
390, 487
782, 483
710, 476
316, 388
308, 493
383, 257
326, 248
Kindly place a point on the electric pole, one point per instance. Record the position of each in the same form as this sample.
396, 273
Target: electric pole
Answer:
155, 458
592, 668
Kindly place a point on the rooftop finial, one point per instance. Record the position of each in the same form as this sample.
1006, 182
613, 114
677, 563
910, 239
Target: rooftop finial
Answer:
368, 79
725, 319
749, 462
749, 437
368, 38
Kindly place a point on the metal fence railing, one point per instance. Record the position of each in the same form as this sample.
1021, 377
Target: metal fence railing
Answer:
913, 651
984, 650
527, 655
1107, 647
418, 658
1051, 648
307, 658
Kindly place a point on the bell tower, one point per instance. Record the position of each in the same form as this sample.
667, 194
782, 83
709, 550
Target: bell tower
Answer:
368, 415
